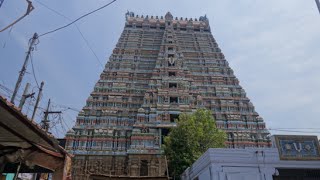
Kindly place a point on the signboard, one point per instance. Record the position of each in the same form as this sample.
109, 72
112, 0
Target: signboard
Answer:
293, 147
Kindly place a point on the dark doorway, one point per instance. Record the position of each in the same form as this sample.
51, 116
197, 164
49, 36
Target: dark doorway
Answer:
144, 168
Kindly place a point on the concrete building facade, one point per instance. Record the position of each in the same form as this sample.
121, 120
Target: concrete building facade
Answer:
290, 158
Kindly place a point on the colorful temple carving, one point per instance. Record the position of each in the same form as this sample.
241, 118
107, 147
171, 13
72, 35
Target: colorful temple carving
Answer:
161, 67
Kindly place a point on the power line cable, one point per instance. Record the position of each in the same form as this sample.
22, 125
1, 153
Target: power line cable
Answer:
69, 117
86, 41
77, 27
30, 104
33, 72
87, 14
60, 14
295, 128
29, 9
66, 107
63, 121
8, 90
296, 131
8, 37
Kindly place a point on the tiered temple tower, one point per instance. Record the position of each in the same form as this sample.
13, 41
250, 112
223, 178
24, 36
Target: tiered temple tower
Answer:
161, 67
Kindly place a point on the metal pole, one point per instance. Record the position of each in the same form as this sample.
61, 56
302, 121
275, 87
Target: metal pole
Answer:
45, 124
37, 102
24, 96
318, 4
24, 67
165, 157
17, 172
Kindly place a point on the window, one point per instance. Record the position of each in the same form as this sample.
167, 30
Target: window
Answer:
171, 64
172, 73
164, 133
172, 85
144, 168
173, 117
170, 42
170, 48
173, 99
170, 55
99, 113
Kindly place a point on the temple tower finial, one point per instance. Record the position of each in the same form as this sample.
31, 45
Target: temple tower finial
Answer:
168, 16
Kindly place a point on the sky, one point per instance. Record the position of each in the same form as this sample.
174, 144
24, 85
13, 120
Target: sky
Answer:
272, 46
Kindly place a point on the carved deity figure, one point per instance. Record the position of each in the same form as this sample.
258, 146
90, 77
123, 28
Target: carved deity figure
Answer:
203, 18
130, 14
171, 60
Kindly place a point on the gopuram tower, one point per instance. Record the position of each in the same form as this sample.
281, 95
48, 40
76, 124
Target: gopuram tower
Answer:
160, 67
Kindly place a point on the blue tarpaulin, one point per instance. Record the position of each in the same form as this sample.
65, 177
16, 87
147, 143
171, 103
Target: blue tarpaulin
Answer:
9, 176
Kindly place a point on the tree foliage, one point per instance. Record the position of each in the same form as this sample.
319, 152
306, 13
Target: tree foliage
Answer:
194, 134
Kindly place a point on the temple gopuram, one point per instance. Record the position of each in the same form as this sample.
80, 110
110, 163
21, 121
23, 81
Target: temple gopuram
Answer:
160, 67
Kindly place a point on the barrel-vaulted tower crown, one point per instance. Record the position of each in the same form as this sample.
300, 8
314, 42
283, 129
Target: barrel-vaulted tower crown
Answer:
190, 24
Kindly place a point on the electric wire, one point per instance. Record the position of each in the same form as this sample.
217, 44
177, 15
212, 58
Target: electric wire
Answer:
33, 72
44, 5
55, 119
295, 131
86, 41
9, 91
29, 9
87, 14
8, 37
78, 29
294, 128
66, 108
61, 124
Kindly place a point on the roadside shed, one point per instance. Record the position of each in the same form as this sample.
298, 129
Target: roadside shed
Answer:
27, 148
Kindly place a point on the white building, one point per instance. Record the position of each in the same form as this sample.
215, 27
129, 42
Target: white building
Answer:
291, 157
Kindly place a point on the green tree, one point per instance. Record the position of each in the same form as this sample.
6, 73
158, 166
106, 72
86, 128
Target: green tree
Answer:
194, 134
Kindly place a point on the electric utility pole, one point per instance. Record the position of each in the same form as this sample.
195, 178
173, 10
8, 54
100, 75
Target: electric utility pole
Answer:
45, 122
25, 95
32, 41
37, 101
